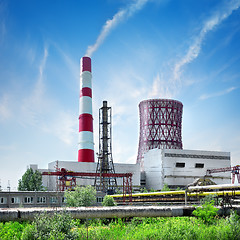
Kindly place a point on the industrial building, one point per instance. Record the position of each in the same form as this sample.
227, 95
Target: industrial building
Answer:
161, 158
178, 168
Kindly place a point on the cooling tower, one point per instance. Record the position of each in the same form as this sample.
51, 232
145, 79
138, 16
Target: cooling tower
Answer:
85, 144
160, 125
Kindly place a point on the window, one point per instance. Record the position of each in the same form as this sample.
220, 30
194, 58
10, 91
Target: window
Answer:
41, 199
15, 200
199, 165
3, 200
180, 164
99, 199
28, 200
53, 200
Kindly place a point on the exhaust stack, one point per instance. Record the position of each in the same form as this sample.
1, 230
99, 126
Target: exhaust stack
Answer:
85, 143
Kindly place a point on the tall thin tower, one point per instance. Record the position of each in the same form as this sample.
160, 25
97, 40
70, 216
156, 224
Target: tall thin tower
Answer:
85, 144
105, 161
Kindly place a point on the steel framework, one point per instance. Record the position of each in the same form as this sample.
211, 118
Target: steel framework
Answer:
160, 126
105, 160
68, 179
235, 172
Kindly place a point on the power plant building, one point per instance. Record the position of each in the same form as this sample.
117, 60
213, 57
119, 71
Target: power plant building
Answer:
178, 168
161, 158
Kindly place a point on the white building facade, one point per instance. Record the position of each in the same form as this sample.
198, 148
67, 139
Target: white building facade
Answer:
50, 182
178, 168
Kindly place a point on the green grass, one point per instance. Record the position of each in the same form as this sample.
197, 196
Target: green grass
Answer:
143, 228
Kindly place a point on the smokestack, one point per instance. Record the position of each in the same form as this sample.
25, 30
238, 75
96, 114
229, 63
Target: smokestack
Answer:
85, 144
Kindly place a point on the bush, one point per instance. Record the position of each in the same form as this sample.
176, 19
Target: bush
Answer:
206, 212
208, 199
51, 226
165, 188
80, 197
108, 201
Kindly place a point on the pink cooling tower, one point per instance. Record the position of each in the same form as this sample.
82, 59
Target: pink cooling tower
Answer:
85, 144
160, 126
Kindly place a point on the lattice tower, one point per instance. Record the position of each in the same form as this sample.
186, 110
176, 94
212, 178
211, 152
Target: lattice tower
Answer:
105, 160
160, 126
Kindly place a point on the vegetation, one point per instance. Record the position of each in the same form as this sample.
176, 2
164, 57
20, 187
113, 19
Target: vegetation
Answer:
56, 226
165, 188
207, 212
61, 226
31, 181
108, 201
80, 197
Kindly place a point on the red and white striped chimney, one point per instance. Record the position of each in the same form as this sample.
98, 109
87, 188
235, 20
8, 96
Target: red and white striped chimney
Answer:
85, 144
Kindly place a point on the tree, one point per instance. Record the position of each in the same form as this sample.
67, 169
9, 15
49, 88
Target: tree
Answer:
80, 197
108, 201
31, 181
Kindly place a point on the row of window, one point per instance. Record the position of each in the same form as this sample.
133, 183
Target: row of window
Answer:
182, 165
29, 200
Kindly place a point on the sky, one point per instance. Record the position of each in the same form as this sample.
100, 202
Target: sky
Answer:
141, 49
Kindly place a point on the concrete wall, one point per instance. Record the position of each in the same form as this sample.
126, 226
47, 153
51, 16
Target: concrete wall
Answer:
153, 167
177, 167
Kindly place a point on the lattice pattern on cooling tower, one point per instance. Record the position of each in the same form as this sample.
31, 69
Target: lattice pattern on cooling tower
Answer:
160, 125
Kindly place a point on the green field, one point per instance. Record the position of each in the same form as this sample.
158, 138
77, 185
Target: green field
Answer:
135, 228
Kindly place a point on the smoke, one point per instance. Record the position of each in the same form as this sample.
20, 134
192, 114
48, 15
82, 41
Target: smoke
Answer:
214, 20
120, 16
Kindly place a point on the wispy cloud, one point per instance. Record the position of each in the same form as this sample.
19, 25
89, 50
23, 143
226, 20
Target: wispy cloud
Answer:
171, 86
5, 112
120, 16
161, 87
217, 94
211, 23
63, 125
41, 111
34, 104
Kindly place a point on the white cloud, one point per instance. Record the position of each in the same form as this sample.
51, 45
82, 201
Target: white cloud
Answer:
214, 20
63, 126
35, 104
172, 84
217, 94
120, 16
5, 112
41, 111
161, 88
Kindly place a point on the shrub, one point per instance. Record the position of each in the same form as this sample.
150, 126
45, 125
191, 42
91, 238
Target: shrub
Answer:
143, 190
165, 188
208, 199
80, 197
51, 226
206, 212
234, 221
108, 201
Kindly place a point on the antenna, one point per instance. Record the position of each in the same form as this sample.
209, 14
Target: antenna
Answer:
9, 187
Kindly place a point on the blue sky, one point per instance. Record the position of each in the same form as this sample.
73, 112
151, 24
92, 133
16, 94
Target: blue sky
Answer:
184, 50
